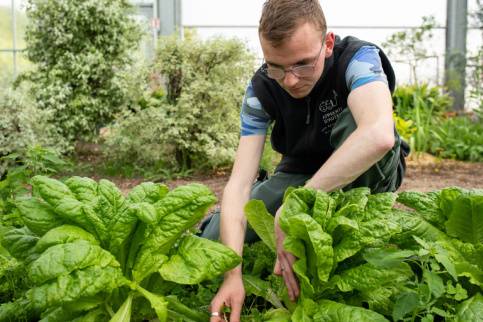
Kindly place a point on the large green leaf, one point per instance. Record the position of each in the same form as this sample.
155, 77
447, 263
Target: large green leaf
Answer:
84, 189
427, 205
257, 286
262, 222
38, 216
62, 259
333, 311
380, 299
75, 212
299, 201
197, 259
21, 243
448, 196
313, 249
379, 205
158, 303
357, 197
368, 277
123, 226
180, 210
324, 206
413, 225
148, 192
51, 190
113, 195
466, 220
470, 310
62, 235
78, 284
124, 312
305, 311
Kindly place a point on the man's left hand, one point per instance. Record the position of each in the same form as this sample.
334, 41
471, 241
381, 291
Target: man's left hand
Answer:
285, 261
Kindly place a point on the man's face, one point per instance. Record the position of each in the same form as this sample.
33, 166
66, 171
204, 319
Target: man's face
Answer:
302, 48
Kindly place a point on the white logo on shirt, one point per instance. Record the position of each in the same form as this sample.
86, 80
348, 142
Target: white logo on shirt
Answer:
328, 104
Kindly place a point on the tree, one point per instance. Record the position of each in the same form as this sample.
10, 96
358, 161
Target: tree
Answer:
81, 49
409, 45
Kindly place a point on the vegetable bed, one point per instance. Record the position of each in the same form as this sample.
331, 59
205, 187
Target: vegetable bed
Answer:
91, 254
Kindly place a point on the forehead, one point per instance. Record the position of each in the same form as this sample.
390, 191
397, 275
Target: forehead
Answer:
304, 44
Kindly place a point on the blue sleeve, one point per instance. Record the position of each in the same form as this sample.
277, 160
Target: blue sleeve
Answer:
254, 119
365, 67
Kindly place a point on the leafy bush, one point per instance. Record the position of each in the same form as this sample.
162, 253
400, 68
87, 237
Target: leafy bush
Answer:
23, 125
411, 99
458, 137
92, 253
420, 107
358, 258
81, 48
196, 124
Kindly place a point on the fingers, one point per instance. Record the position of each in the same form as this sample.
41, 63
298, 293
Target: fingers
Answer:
216, 317
284, 267
235, 311
231, 295
216, 314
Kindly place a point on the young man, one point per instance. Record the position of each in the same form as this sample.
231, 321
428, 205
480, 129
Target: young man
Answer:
331, 103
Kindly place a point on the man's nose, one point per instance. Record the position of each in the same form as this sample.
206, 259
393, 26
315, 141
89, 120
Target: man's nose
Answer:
290, 79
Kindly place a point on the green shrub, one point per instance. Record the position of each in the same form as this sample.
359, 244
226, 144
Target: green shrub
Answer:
196, 124
23, 125
459, 138
406, 99
81, 48
420, 106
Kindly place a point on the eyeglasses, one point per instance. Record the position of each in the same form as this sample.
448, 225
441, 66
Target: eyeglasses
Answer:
299, 71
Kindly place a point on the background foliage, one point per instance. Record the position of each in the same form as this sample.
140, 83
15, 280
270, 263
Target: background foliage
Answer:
23, 125
193, 121
80, 48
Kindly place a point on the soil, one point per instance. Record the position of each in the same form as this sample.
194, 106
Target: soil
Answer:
424, 173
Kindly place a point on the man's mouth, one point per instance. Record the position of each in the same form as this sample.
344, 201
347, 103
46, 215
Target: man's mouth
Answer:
296, 89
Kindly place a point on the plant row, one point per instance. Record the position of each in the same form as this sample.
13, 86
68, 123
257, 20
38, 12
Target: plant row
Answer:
84, 252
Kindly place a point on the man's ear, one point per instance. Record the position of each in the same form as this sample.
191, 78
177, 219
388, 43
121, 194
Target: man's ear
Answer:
329, 44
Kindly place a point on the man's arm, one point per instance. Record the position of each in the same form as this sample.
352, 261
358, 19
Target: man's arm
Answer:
233, 222
371, 107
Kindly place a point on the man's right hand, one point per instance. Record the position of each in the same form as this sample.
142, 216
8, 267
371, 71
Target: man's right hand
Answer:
232, 295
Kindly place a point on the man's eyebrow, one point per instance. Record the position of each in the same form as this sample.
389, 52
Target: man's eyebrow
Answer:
304, 61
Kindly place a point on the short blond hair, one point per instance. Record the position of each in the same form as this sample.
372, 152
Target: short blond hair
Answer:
280, 18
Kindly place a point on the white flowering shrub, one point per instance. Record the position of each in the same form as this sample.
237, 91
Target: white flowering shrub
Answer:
197, 122
81, 49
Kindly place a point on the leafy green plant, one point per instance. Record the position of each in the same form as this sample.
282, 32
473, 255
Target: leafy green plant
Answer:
405, 99
421, 107
404, 128
91, 252
23, 125
358, 258
34, 161
81, 49
458, 137
196, 123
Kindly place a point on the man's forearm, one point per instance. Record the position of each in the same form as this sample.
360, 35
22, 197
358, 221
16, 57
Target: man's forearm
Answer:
361, 150
233, 223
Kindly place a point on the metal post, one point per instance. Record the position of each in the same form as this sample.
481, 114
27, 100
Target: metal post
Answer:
170, 16
155, 30
14, 41
455, 62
